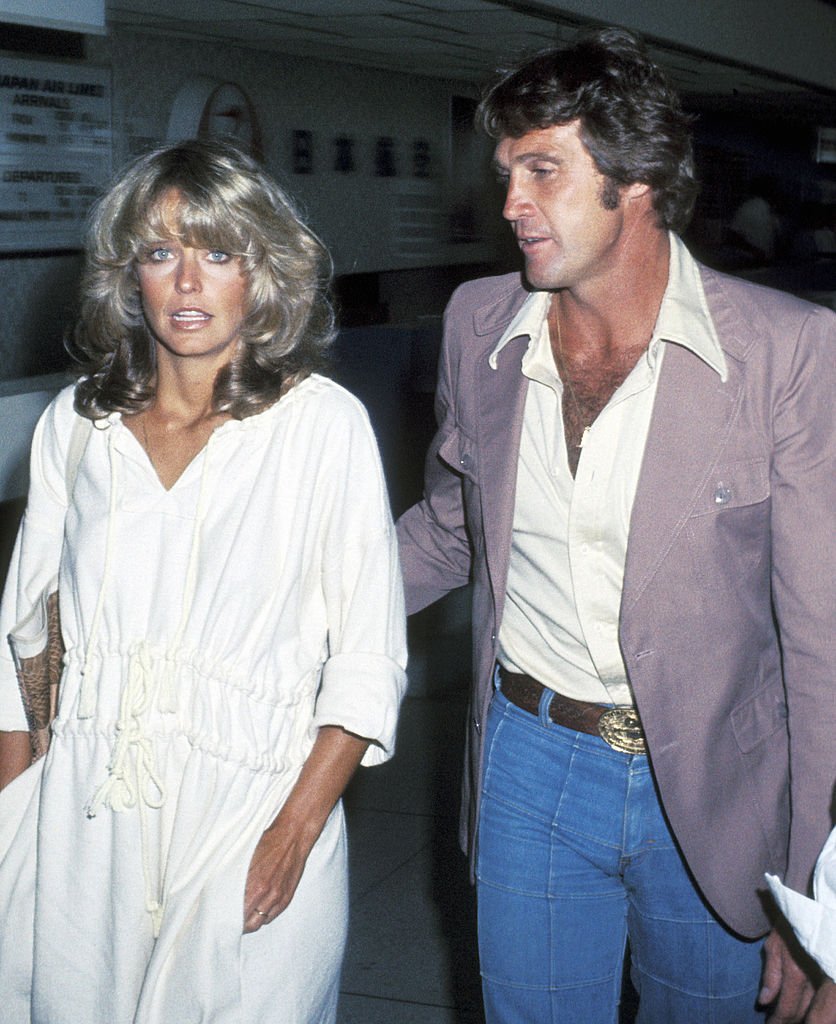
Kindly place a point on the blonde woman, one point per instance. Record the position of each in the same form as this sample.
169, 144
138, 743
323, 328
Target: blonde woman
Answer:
232, 613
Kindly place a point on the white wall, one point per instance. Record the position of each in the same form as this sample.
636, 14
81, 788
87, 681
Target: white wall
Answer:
20, 406
353, 212
356, 214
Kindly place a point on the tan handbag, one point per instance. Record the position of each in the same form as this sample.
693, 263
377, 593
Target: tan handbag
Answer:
36, 641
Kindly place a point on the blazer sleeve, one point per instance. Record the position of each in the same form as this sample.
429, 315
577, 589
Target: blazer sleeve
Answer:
804, 581
435, 549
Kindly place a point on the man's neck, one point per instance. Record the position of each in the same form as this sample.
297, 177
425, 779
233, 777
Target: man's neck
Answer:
615, 314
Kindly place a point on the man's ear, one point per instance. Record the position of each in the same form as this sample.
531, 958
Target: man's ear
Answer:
636, 190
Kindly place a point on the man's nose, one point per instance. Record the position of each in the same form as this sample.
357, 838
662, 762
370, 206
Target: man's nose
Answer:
516, 204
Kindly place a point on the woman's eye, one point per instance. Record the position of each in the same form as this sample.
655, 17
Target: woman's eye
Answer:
159, 255
218, 256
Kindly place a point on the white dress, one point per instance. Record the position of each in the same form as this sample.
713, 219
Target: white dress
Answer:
210, 630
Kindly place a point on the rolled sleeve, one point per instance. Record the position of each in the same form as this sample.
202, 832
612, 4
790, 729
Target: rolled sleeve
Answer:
364, 676
361, 693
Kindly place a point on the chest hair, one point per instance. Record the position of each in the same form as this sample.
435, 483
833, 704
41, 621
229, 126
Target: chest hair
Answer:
589, 382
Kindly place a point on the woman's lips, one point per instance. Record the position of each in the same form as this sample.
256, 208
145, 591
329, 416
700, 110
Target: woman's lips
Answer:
191, 317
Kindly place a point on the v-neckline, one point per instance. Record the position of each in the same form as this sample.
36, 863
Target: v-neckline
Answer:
149, 462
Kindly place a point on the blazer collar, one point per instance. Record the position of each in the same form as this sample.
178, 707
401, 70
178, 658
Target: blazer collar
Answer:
492, 318
684, 316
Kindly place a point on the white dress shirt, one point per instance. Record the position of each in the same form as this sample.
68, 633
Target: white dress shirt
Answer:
569, 543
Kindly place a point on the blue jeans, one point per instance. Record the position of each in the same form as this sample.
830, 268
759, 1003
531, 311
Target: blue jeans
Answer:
575, 857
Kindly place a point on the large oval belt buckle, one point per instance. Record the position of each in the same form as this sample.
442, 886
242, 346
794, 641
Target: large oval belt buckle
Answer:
622, 730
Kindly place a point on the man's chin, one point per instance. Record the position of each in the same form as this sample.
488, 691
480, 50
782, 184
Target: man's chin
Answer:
540, 282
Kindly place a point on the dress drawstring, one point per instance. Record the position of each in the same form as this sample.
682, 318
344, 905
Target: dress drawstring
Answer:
129, 778
87, 695
133, 779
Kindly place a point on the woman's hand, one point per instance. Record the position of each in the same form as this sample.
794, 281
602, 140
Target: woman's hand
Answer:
275, 870
279, 859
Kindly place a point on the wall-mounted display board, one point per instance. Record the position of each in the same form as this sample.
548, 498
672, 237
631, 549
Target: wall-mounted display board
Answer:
55, 151
74, 15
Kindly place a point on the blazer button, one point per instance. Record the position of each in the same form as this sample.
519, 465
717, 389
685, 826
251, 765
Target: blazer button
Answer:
465, 461
723, 495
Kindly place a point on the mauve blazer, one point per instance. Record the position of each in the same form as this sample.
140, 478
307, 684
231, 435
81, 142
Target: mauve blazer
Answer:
727, 612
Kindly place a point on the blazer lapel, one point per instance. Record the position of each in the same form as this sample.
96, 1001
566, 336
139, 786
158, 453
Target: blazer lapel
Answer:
499, 414
691, 418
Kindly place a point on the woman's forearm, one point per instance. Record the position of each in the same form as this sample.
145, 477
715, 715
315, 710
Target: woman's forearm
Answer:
279, 858
326, 773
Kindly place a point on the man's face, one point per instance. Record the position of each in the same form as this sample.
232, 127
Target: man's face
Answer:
556, 203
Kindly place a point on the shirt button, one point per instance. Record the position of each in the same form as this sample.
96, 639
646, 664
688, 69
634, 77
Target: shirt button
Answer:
722, 495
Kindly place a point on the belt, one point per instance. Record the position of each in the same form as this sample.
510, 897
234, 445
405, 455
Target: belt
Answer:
620, 727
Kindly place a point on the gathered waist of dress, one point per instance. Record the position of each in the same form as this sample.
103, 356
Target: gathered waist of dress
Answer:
152, 691
153, 709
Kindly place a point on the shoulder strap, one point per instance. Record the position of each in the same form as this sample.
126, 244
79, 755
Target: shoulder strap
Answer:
78, 443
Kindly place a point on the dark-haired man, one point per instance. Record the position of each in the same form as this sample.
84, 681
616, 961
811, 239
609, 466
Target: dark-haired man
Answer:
635, 468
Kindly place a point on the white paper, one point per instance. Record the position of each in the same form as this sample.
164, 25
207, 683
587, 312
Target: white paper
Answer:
814, 920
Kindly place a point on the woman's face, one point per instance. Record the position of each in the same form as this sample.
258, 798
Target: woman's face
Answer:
194, 300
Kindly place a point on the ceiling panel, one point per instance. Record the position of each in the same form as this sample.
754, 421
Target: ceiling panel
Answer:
461, 39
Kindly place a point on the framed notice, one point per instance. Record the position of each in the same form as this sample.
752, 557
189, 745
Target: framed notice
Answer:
55, 151
826, 146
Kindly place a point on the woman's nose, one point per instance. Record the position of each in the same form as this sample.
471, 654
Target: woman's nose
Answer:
188, 274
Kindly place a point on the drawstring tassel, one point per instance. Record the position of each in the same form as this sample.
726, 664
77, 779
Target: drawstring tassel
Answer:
132, 776
130, 779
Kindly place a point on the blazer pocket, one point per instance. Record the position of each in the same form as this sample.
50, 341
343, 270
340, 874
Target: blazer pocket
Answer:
728, 528
733, 485
459, 453
759, 717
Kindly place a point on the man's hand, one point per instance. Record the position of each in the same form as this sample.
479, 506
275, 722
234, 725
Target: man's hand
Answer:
785, 984
823, 1008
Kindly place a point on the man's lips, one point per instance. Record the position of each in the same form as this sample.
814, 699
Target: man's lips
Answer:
526, 241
